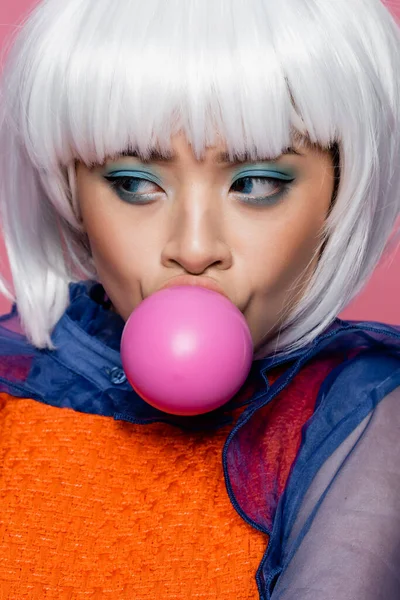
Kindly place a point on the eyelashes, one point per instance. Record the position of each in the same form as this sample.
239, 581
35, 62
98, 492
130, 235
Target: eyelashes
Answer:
262, 190
133, 189
254, 187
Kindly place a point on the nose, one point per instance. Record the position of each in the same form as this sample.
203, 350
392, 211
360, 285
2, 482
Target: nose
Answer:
196, 237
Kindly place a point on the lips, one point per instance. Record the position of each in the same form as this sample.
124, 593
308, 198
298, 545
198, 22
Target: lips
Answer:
204, 282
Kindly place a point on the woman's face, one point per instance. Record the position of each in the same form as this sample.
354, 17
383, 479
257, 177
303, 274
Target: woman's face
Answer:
254, 228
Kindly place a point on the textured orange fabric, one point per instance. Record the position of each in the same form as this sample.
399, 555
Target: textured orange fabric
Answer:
93, 508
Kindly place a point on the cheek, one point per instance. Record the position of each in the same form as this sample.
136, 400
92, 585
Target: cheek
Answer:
108, 225
280, 261
120, 267
295, 248
119, 245
116, 246
288, 246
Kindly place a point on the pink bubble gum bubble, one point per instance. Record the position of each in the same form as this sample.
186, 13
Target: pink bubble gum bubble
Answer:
186, 350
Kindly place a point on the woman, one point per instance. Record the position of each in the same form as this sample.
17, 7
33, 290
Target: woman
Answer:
251, 144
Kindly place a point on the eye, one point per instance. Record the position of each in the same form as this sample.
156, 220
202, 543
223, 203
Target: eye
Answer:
134, 187
257, 186
262, 189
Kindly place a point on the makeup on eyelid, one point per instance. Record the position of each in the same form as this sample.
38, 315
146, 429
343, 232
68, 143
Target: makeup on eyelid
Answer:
131, 171
119, 174
266, 170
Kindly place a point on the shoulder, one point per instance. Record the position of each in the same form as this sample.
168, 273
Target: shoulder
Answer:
360, 395
343, 536
369, 365
344, 489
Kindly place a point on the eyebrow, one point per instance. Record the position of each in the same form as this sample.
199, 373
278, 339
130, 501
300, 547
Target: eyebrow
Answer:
155, 155
226, 158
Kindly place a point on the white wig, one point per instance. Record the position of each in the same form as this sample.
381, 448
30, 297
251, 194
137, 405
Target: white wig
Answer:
88, 79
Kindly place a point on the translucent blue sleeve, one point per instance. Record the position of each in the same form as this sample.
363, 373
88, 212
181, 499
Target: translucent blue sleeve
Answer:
345, 544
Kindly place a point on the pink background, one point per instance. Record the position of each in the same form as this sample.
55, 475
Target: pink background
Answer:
380, 299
